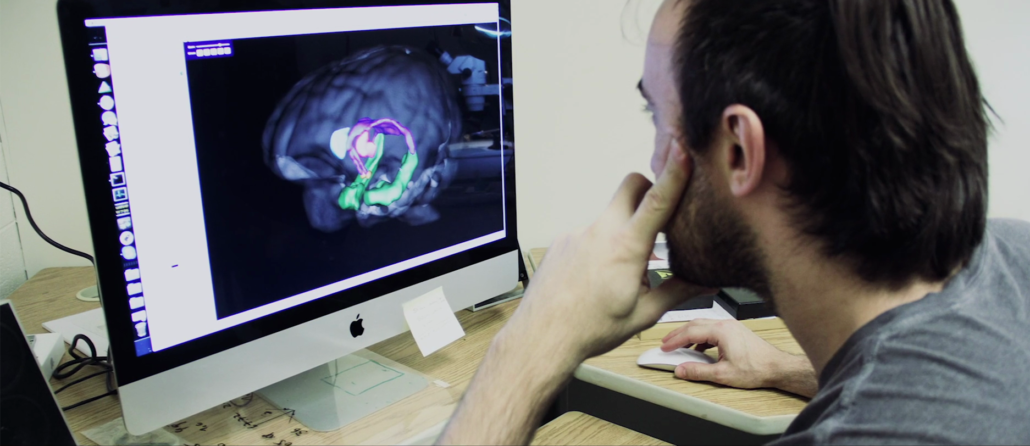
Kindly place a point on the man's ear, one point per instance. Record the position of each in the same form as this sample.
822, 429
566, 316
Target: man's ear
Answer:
743, 149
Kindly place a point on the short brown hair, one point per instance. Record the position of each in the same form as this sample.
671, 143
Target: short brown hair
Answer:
876, 109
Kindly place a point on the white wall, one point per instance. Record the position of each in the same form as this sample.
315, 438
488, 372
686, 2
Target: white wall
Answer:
42, 159
580, 129
580, 125
12, 263
998, 40
579, 117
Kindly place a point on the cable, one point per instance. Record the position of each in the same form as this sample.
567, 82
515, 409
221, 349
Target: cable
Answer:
77, 363
102, 372
25, 204
89, 400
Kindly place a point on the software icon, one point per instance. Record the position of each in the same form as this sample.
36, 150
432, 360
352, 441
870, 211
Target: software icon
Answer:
113, 148
120, 194
109, 118
117, 179
111, 133
102, 70
106, 102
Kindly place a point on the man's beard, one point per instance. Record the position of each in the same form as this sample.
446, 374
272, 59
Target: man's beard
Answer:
711, 245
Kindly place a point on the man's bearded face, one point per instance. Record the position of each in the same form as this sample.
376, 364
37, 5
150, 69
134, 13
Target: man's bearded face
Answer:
710, 243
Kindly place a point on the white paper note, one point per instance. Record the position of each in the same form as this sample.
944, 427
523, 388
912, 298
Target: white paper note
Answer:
432, 323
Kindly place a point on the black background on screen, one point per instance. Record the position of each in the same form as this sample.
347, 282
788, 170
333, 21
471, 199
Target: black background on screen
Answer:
261, 246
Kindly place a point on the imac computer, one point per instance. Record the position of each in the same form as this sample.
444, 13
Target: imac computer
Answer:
268, 181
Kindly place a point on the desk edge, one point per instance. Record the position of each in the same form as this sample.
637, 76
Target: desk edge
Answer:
684, 403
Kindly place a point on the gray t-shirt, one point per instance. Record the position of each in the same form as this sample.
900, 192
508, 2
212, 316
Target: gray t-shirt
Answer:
953, 367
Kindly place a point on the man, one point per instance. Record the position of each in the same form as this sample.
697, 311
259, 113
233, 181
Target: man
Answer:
832, 156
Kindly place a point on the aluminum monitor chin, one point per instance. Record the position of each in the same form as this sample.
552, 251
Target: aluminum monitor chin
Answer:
259, 179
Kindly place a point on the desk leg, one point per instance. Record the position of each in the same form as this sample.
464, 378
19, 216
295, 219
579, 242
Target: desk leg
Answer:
559, 406
649, 419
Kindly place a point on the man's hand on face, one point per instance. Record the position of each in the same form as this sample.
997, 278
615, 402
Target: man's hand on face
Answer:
745, 361
589, 296
591, 293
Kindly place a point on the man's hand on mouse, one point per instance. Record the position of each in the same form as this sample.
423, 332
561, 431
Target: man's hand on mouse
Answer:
746, 361
591, 293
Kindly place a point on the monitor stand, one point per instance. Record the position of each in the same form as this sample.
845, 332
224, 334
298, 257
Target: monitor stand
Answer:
333, 395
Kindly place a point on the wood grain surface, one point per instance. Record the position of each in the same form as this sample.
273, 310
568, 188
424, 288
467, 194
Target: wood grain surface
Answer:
249, 420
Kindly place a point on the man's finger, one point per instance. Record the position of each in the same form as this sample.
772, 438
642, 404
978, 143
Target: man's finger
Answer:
696, 371
675, 332
628, 196
661, 200
680, 329
695, 334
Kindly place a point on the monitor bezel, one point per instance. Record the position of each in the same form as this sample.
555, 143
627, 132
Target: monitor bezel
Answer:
103, 226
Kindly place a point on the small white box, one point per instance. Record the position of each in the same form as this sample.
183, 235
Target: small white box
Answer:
48, 348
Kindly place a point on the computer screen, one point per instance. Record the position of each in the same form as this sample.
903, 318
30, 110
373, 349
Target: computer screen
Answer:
258, 161
268, 182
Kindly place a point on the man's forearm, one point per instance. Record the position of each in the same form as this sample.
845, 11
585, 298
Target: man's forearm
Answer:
796, 376
509, 395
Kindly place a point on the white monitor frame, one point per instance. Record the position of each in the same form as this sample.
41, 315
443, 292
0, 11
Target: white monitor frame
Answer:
203, 384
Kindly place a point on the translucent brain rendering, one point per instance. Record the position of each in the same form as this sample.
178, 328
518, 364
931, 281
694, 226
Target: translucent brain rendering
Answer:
393, 84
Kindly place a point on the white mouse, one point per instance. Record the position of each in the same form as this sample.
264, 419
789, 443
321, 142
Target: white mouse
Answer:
657, 359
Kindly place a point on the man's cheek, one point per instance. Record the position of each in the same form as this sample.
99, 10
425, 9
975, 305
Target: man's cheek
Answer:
680, 219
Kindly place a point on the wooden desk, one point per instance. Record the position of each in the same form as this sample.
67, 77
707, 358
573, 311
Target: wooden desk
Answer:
51, 294
577, 428
759, 412
418, 419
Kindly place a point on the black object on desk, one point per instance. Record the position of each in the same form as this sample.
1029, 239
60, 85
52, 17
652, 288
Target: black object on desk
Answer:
743, 304
738, 302
31, 415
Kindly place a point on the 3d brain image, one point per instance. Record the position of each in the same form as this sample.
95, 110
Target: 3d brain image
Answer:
367, 137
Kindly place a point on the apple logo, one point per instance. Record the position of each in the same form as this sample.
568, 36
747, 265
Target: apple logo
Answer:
355, 327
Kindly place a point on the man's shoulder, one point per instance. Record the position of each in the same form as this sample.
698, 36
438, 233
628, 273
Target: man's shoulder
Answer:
923, 385
1010, 227
1009, 238
947, 368
963, 350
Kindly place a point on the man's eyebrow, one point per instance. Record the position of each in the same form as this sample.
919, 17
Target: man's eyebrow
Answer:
643, 92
